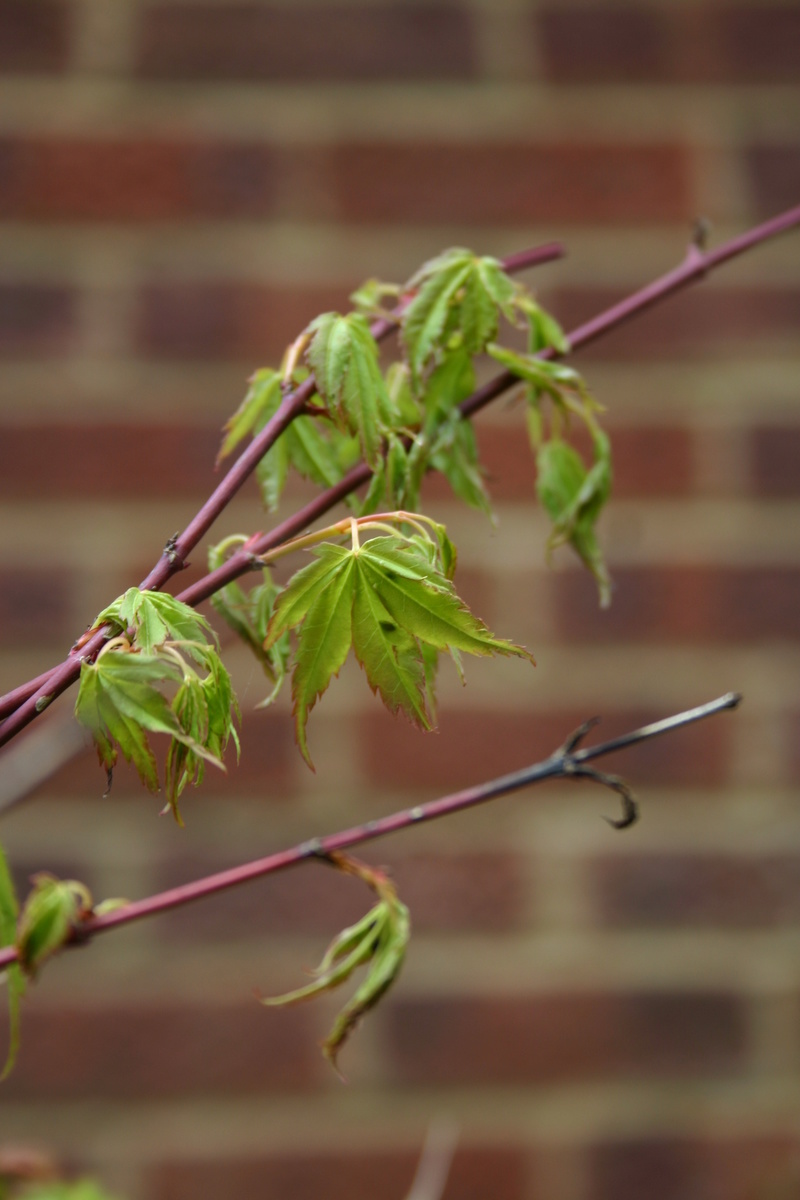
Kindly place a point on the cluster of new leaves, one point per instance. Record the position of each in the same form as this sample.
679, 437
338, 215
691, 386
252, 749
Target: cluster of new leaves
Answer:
406, 420
159, 674
392, 599
51, 916
378, 941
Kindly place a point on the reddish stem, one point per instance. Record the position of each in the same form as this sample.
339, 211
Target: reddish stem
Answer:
55, 681
696, 265
567, 762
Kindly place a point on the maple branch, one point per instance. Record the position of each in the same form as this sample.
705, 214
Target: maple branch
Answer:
52, 683
568, 762
26, 702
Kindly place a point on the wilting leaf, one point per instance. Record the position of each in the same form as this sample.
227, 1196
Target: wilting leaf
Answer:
574, 497
379, 939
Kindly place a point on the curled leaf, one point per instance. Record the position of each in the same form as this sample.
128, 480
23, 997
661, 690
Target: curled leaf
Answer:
378, 941
49, 918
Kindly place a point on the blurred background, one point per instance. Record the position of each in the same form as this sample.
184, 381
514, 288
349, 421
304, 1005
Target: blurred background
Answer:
183, 186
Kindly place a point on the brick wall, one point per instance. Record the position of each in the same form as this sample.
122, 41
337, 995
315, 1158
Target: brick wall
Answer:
182, 186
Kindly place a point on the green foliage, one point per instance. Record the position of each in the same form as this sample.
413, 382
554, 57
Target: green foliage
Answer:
310, 445
49, 917
457, 299
388, 598
13, 976
378, 940
344, 357
248, 614
156, 617
121, 698
574, 497
80, 1189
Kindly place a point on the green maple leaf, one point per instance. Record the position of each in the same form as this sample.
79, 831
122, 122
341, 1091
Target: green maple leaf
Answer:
155, 618
13, 975
574, 496
310, 445
120, 703
459, 296
248, 614
344, 358
390, 598
378, 941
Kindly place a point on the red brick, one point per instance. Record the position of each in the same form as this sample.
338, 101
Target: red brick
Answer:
35, 604
160, 1049
682, 604
666, 889
34, 37
313, 45
476, 1173
115, 461
697, 321
223, 320
774, 173
474, 746
511, 182
669, 1168
648, 461
37, 318
443, 891
695, 44
603, 45
775, 458
134, 180
453, 1040
761, 42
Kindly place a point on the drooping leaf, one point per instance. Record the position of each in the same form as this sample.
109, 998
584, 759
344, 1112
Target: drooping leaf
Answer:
344, 357
12, 976
260, 403
120, 701
390, 597
379, 939
248, 615
49, 917
574, 497
562, 384
544, 331
455, 454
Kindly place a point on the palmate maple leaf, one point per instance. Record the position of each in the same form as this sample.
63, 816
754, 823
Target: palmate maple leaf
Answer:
389, 599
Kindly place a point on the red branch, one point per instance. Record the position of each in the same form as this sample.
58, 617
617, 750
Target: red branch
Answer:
565, 763
29, 700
